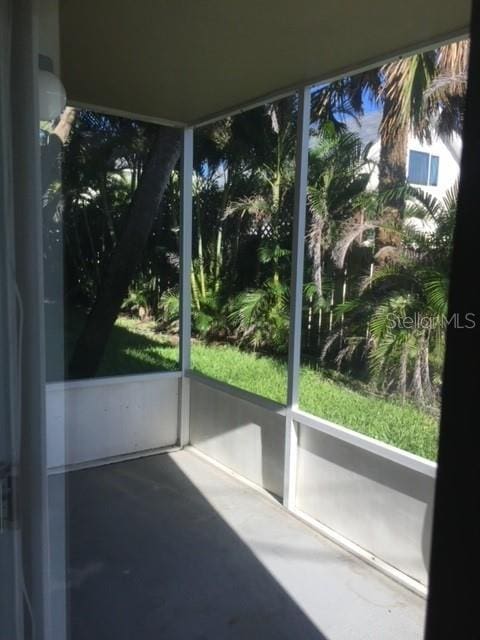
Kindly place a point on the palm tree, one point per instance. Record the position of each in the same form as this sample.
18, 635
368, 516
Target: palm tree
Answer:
243, 191
397, 319
420, 87
423, 93
259, 315
273, 170
339, 172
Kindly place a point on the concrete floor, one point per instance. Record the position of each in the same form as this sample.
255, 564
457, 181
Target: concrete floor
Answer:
170, 547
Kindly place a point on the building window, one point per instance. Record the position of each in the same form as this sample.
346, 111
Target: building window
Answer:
434, 161
423, 168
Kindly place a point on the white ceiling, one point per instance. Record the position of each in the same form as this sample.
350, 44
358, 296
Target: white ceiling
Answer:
186, 61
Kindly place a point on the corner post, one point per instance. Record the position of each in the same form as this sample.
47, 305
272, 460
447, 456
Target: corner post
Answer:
296, 295
186, 177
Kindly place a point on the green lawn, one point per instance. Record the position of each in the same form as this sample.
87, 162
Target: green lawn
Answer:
135, 348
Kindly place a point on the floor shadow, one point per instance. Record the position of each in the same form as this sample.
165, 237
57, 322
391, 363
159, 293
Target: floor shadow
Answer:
149, 558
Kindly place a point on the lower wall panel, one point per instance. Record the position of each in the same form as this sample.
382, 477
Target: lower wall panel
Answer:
96, 419
380, 505
244, 436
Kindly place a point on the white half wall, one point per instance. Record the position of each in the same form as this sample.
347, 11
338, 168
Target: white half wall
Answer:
377, 501
361, 490
246, 434
89, 420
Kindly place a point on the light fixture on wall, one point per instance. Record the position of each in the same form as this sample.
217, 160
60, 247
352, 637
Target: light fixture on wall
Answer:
51, 93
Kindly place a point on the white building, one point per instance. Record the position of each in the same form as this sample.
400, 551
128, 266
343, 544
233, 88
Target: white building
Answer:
433, 167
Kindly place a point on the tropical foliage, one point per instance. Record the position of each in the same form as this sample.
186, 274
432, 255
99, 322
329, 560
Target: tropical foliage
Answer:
373, 255
397, 319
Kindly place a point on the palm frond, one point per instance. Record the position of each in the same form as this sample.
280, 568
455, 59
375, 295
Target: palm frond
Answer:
405, 82
351, 232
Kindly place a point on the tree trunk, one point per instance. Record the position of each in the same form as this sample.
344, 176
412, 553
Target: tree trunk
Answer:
391, 176
91, 344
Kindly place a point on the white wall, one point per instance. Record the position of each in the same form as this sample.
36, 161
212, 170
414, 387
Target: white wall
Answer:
373, 495
247, 437
90, 420
449, 168
381, 503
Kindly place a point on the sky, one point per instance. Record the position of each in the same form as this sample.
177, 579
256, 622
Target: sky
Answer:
369, 105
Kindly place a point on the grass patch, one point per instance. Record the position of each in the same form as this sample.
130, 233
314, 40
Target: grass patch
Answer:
264, 376
402, 425
135, 348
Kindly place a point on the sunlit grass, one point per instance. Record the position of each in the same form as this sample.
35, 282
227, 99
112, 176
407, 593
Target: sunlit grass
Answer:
401, 425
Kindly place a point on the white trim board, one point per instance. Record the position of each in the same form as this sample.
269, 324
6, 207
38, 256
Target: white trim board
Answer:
102, 462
